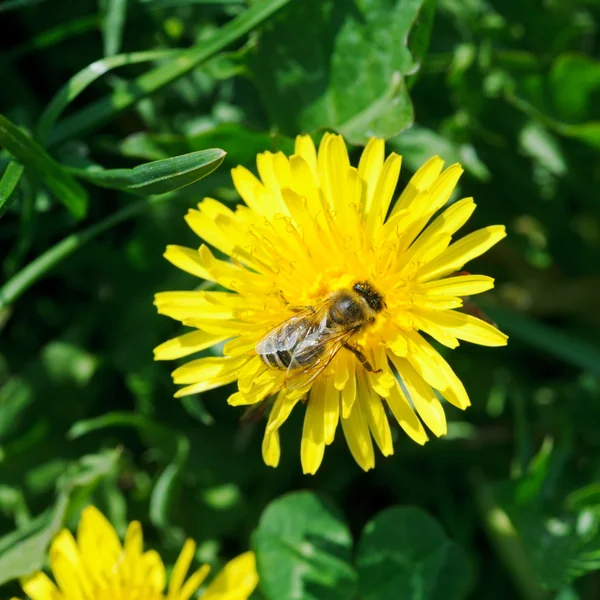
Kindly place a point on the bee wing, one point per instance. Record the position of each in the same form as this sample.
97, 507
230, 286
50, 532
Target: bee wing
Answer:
297, 379
294, 330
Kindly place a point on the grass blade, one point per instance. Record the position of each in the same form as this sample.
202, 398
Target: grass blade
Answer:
162, 75
8, 183
80, 81
563, 346
25, 278
32, 155
114, 23
159, 176
15, 4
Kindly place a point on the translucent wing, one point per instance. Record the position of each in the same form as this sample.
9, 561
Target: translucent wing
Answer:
329, 344
289, 333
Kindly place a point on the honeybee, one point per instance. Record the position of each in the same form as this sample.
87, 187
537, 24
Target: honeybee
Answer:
306, 343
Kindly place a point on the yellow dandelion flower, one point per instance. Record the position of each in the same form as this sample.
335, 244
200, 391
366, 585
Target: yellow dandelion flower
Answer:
331, 286
96, 566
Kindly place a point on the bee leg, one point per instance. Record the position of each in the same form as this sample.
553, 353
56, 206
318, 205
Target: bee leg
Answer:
361, 357
296, 309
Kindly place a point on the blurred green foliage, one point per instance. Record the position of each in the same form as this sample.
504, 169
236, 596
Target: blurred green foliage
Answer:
93, 94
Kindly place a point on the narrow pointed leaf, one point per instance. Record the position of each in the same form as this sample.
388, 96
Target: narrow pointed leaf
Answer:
159, 176
54, 175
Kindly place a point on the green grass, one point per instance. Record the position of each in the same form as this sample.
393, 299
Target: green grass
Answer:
104, 102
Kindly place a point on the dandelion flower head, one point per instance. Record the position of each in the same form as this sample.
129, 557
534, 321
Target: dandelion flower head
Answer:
313, 225
96, 566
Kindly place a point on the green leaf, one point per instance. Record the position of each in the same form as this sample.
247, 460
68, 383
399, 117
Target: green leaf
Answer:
24, 551
419, 144
157, 177
420, 36
404, 553
7, 5
565, 98
8, 184
38, 267
303, 550
162, 436
563, 346
114, 22
338, 64
164, 74
81, 80
32, 155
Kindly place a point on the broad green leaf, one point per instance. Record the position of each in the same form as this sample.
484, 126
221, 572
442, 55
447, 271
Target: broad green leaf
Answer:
303, 550
338, 64
33, 156
404, 553
8, 183
157, 177
114, 22
164, 74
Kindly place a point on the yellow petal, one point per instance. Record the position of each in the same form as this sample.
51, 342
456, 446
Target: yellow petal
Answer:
208, 384
423, 323
375, 416
40, 587
448, 223
187, 260
152, 565
349, 391
305, 148
66, 565
382, 196
425, 359
312, 447
462, 285
340, 371
358, 438
461, 252
405, 415
468, 328
194, 582
421, 181
443, 187
207, 229
249, 187
369, 168
281, 410
209, 368
236, 581
271, 450
181, 568
422, 396
186, 344
98, 541
331, 409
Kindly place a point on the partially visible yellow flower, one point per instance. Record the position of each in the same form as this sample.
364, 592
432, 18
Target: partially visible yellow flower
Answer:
314, 227
96, 566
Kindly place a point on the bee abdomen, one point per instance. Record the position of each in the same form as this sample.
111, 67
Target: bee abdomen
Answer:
306, 356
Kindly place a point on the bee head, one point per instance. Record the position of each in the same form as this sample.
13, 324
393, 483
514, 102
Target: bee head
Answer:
371, 296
